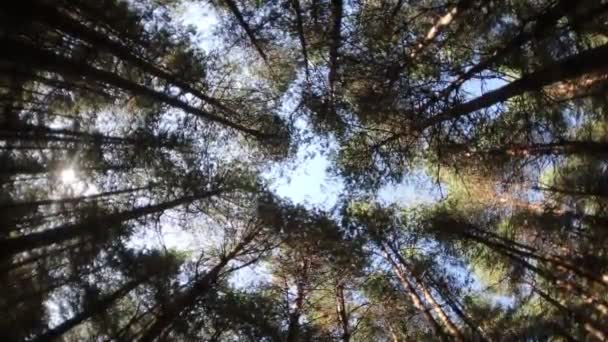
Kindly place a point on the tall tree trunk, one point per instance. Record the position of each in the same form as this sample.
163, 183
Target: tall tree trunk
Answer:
411, 291
183, 301
26, 132
589, 325
598, 192
37, 169
335, 42
560, 147
8, 267
293, 327
45, 60
98, 308
70, 200
445, 319
11, 246
241, 20
52, 16
341, 312
455, 306
572, 67
187, 299
564, 147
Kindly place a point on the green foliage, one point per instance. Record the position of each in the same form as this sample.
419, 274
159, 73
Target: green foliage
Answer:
136, 202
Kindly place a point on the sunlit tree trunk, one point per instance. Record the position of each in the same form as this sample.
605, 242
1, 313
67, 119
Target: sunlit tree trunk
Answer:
341, 312
445, 319
411, 292
71, 200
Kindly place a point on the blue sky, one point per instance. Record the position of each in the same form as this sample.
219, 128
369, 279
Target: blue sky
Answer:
307, 180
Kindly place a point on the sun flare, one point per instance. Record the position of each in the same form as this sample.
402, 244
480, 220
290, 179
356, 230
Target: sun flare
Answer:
68, 176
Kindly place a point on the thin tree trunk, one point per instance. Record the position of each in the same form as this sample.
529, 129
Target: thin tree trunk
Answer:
601, 193
61, 201
300, 26
67, 24
98, 308
32, 259
411, 291
11, 246
189, 298
451, 327
49, 61
335, 42
543, 22
565, 147
552, 259
440, 25
588, 324
454, 305
293, 328
570, 285
241, 20
183, 301
25, 132
341, 311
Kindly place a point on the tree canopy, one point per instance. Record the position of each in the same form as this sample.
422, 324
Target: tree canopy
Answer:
137, 204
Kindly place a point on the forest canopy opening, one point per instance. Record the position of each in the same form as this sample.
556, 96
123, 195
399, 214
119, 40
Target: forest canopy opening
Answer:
304, 170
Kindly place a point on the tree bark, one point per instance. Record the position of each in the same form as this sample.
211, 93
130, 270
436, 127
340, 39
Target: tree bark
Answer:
411, 291
98, 308
293, 328
189, 298
335, 42
341, 311
11, 246
575, 66
241, 20
440, 25
45, 60
61, 201
445, 319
